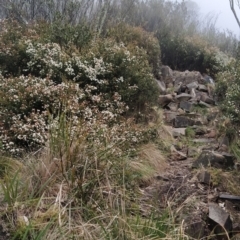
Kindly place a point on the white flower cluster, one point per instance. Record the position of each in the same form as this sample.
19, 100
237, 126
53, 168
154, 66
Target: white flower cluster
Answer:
87, 94
28, 103
45, 59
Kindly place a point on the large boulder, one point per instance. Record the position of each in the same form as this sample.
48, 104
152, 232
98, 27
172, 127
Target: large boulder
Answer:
187, 77
170, 116
220, 221
167, 75
183, 97
205, 98
214, 159
184, 121
177, 132
192, 85
164, 100
173, 106
161, 86
186, 105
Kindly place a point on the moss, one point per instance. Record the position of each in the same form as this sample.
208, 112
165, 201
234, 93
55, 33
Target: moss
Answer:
190, 133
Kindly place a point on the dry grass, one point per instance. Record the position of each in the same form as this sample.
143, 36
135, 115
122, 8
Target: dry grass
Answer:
150, 161
85, 193
227, 181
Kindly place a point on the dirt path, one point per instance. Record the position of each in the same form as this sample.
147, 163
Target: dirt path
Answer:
199, 163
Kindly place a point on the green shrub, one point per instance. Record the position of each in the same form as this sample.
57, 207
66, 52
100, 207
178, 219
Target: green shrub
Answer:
193, 54
228, 92
190, 133
13, 56
68, 36
137, 36
109, 67
120, 69
102, 83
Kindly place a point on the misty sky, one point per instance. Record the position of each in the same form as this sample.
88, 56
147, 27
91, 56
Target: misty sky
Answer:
222, 9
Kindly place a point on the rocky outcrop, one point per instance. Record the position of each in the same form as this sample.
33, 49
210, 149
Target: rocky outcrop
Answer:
188, 182
185, 86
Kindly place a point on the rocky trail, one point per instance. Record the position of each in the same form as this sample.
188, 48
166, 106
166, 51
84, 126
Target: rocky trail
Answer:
196, 184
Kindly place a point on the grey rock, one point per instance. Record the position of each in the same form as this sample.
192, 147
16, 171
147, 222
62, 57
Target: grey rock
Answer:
177, 132
183, 121
192, 152
187, 106
192, 85
220, 220
164, 100
162, 86
214, 159
203, 140
177, 87
204, 177
170, 116
187, 77
205, 98
193, 93
202, 88
208, 79
196, 230
167, 74
183, 97
177, 155
173, 106
229, 197
203, 104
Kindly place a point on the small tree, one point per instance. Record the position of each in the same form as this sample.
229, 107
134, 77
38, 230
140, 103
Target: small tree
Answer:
232, 5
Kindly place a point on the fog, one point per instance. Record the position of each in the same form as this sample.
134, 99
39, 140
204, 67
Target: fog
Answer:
219, 10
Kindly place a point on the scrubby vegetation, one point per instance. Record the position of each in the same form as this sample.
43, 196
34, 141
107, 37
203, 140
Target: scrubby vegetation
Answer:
77, 96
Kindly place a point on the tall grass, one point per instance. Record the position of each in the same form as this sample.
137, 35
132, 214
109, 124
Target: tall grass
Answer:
77, 188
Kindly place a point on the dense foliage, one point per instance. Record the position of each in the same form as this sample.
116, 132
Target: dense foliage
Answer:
228, 92
110, 78
75, 78
192, 53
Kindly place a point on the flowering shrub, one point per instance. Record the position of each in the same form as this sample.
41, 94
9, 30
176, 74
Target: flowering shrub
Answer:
31, 106
45, 60
137, 36
124, 70
228, 92
109, 66
25, 105
91, 89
